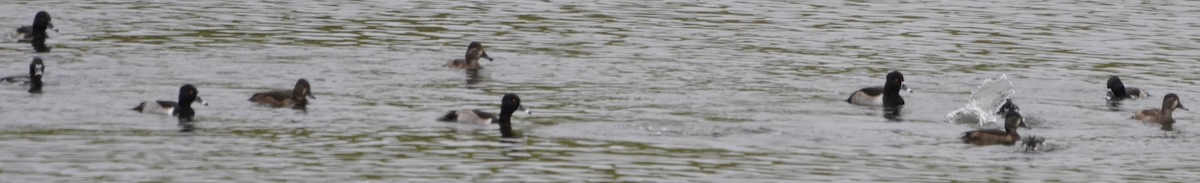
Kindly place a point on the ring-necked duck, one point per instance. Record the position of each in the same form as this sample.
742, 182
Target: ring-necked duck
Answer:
183, 109
1163, 115
1008, 106
888, 95
474, 52
34, 79
1033, 143
1118, 91
1009, 136
286, 98
480, 117
41, 22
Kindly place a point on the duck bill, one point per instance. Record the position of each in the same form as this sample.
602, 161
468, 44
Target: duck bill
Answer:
905, 88
310, 96
198, 99
484, 55
1184, 108
522, 108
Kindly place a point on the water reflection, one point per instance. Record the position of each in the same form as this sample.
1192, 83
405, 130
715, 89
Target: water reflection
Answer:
1168, 127
303, 108
39, 45
892, 113
473, 77
186, 124
1114, 105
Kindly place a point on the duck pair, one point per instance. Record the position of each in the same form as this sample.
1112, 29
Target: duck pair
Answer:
1118, 91
188, 94
509, 104
34, 79
889, 95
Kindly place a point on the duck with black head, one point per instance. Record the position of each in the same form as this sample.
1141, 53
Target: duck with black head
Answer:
295, 98
182, 109
1117, 90
1008, 136
1161, 115
469, 116
34, 79
887, 95
508, 105
471, 62
41, 22
1008, 106
1034, 143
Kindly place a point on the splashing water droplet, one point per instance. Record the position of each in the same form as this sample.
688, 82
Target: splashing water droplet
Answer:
985, 100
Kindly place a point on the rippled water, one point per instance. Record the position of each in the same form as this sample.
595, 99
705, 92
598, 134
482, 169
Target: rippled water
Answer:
707, 91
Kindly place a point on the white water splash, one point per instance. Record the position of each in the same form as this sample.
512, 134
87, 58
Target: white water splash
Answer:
985, 100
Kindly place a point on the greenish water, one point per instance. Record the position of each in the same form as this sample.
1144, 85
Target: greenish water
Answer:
664, 91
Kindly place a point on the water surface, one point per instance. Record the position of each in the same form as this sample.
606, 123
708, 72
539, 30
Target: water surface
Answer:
706, 91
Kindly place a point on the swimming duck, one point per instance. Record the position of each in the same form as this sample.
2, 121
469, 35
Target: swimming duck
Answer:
474, 52
1033, 143
480, 117
286, 98
1163, 115
1118, 91
888, 95
1009, 136
34, 79
41, 22
182, 109
1008, 106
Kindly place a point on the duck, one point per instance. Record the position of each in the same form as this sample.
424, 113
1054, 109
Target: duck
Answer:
1008, 106
887, 95
1118, 91
1033, 143
182, 109
286, 98
471, 62
509, 104
41, 22
1008, 136
480, 117
34, 79
1161, 115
